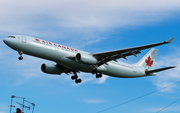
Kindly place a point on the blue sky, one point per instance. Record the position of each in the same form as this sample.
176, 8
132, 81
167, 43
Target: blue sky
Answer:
93, 26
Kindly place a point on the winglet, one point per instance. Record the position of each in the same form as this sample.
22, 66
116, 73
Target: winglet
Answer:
170, 40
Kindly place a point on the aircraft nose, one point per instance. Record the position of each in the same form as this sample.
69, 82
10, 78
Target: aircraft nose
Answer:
11, 43
5, 41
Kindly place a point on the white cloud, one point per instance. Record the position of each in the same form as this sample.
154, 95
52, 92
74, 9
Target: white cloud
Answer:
170, 76
24, 70
96, 101
29, 67
80, 21
4, 51
103, 79
23, 17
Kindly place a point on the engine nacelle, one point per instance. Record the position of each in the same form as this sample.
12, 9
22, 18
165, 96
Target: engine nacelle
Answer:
50, 69
85, 58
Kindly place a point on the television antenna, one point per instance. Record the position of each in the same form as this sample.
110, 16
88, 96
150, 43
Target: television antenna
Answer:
23, 106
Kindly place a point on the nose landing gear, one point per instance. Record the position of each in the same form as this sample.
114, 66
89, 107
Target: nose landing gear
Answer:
20, 53
20, 58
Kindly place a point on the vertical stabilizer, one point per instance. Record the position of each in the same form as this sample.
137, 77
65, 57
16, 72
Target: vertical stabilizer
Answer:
148, 60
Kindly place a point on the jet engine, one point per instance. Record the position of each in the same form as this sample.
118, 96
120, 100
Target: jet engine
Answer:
85, 58
50, 69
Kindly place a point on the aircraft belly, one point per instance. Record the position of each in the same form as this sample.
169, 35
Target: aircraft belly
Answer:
58, 56
69, 63
122, 71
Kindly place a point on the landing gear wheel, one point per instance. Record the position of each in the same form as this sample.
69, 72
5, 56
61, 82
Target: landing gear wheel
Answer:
74, 77
78, 81
100, 75
20, 58
20, 53
97, 76
94, 71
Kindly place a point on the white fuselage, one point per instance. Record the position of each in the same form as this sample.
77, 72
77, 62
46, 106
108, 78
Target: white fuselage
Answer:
61, 55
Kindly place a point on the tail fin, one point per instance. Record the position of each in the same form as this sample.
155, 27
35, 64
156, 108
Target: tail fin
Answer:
148, 60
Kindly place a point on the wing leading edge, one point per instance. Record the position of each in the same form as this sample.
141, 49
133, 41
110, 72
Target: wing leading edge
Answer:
105, 57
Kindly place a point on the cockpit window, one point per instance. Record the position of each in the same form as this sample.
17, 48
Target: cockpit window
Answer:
11, 37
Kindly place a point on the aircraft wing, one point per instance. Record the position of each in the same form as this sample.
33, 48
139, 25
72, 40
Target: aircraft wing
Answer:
64, 69
105, 57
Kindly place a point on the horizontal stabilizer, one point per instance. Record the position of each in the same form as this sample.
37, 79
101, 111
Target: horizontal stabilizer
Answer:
158, 70
170, 40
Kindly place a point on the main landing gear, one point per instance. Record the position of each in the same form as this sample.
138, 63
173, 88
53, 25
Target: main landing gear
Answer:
75, 77
98, 75
20, 53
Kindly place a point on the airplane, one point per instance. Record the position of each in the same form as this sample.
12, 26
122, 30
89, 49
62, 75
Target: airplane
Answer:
70, 60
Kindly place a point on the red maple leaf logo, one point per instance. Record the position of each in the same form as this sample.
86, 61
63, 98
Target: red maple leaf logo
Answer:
149, 62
